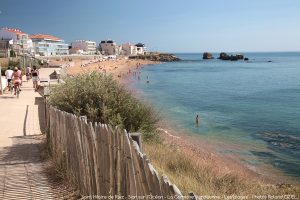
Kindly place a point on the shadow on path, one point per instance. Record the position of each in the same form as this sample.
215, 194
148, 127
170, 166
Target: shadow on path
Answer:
41, 112
25, 149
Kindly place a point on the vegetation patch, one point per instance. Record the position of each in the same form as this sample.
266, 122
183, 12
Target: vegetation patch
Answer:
203, 178
99, 97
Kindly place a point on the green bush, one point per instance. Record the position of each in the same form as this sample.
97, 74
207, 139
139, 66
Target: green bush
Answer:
102, 99
12, 53
13, 63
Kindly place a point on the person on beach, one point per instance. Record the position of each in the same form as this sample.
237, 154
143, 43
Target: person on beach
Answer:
35, 78
21, 75
16, 78
197, 120
28, 73
8, 75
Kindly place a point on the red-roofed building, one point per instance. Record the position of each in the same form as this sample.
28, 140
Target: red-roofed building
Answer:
48, 45
20, 42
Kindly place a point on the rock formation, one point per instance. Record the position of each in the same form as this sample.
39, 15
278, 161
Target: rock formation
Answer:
225, 56
207, 55
162, 57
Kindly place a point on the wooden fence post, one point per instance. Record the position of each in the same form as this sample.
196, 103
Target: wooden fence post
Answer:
103, 160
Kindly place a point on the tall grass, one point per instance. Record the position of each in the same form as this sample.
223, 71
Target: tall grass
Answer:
100, 98
190, 173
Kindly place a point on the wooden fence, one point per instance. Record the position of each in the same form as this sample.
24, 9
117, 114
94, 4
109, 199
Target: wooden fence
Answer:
103, 160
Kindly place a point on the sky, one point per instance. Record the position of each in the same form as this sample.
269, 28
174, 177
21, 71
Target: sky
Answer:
164, 25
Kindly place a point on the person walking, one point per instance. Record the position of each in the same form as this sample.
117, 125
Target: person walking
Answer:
35, 78
8, 75
28, 73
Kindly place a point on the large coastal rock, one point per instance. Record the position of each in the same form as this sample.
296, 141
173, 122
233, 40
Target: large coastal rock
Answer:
240, 56
207, 55
225, 56
162, 57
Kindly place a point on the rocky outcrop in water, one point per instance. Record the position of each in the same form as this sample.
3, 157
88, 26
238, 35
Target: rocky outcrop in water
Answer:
162, 57
207, 55
225, 56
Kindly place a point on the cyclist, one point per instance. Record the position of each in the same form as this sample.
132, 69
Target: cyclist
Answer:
21, 76
16, 78
8, 74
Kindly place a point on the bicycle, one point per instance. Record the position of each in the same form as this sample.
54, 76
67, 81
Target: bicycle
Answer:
10, 87
17, 89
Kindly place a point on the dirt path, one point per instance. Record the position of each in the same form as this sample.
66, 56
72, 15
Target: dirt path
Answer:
22, 168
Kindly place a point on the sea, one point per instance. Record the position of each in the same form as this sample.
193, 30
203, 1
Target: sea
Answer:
249, 109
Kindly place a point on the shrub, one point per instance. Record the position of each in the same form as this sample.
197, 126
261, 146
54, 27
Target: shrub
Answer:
13, 63
102, 99
12, 53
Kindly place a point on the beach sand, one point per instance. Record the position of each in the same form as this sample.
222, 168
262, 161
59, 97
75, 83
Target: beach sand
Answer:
119, 68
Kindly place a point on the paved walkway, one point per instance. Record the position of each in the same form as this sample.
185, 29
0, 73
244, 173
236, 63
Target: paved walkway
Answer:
22, 169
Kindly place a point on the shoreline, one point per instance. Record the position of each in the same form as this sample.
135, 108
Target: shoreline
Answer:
207, 150
192, 145
120, 69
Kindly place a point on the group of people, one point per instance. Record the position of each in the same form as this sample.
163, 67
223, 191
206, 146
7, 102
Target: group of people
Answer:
14, 77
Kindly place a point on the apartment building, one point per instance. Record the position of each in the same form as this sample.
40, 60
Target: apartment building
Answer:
109, 47
19, 41
129, 49
48, 45
141, 48
87, 46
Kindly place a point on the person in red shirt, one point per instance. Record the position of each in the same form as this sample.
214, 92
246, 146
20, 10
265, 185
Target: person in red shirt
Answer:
16, 78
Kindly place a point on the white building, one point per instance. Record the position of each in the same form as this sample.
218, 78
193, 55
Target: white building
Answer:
76, 51
87, 46
20, 41
109, 47
48, 45
141, 48
4, 48
129, 49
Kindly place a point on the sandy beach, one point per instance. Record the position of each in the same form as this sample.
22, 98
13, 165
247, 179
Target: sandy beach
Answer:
119, 68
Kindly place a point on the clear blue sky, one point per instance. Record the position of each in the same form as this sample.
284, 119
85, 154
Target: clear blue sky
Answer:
164, 25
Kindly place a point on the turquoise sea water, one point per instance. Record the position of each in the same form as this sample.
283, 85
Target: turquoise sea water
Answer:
252, 106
